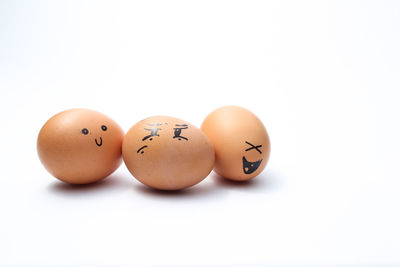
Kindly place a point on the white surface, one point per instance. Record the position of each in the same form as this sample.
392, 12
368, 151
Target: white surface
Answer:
323, 77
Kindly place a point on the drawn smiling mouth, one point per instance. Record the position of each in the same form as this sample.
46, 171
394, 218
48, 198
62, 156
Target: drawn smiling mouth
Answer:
250, 166
101, 141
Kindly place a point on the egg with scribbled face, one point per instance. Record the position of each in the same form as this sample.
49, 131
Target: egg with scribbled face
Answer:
80, 146
167, 153
241, 142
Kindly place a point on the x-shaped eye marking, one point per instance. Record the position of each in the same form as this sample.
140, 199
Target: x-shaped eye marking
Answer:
253, 147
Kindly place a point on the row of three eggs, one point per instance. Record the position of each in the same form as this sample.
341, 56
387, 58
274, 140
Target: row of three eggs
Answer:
81, 146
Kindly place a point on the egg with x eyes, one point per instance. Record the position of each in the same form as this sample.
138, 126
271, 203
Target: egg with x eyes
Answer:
80, 146
241, 142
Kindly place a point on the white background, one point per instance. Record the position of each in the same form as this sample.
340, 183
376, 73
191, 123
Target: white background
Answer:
322, 76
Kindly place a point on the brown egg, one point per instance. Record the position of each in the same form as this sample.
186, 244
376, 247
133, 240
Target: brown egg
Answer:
167, 153
80, 146
240, 140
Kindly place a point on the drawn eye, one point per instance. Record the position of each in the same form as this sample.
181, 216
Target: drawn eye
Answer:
85, 131
253, 147
104, 128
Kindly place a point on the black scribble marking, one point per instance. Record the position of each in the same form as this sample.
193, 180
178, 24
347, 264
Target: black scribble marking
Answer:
253, 147
141, 149
101, 141
178, 131
153, 132
250, 166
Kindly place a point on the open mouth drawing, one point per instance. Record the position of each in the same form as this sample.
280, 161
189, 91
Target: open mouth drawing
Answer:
250, 166
101, 141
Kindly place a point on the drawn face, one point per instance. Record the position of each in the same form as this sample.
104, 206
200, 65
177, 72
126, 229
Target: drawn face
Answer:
80, 146
167, 153
99, 142
240, 140
251, 166
153, 130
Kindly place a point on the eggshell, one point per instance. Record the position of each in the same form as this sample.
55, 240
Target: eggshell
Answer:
167, 153
80, 146
241, 142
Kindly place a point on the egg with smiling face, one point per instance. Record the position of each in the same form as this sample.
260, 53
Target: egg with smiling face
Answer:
80, 146
241, 142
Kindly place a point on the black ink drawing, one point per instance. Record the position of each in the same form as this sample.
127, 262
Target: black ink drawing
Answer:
141, 149
85, 131
251, 166
178, 131
101, 141
253, 147
153, 131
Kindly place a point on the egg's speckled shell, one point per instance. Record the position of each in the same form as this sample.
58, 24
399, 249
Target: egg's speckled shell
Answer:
80, 146
167, 153
241, 142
